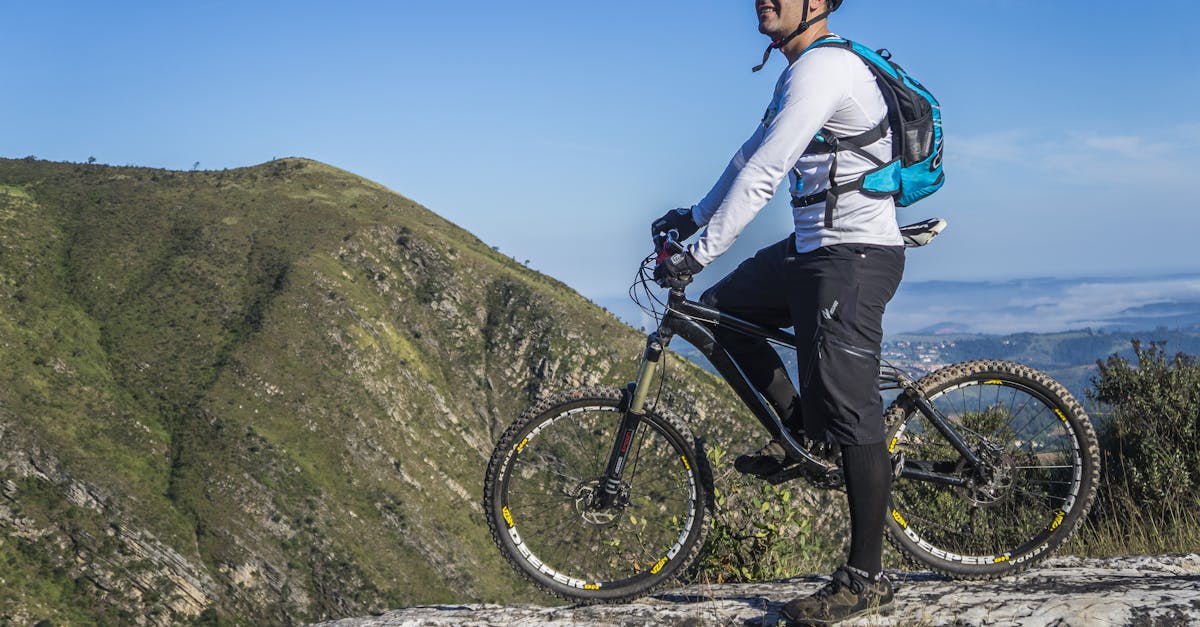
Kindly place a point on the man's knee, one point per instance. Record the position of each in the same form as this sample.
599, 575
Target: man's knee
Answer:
842, 395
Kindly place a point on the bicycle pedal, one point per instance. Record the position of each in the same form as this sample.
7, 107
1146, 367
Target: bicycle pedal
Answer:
818, 477
787, 474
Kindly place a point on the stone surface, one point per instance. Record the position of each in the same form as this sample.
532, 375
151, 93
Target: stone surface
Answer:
1160, 590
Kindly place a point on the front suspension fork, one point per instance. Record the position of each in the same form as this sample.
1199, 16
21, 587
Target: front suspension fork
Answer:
633, 404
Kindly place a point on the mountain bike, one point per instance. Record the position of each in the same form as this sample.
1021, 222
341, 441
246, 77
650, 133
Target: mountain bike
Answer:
599, 495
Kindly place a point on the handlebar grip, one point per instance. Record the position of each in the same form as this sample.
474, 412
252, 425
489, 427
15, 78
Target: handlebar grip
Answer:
667, 244
668, 249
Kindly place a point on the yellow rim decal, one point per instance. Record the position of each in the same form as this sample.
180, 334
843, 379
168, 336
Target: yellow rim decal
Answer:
1002, 558
899, 518
591, 586
685, 464
657, 567
892, 446
522, 444
1061, 416
507, 516
1058, 518
993, 382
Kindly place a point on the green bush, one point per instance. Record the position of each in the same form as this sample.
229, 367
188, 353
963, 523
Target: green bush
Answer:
1150, 474
760, 531
1151, 441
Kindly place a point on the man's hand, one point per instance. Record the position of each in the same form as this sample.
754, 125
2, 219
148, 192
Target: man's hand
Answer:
678, 220
677, 270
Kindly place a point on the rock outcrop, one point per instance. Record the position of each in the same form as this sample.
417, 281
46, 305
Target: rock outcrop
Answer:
1064, 591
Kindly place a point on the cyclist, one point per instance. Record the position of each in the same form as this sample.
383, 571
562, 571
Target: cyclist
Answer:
830, 280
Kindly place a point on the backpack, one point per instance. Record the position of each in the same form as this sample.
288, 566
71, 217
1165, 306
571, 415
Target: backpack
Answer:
915, 118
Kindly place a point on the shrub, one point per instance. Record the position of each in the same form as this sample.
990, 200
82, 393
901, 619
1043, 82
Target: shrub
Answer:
1150, 477
760, 531
1151, 441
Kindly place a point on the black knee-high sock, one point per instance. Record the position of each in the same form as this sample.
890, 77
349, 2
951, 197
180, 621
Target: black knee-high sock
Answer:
868, 481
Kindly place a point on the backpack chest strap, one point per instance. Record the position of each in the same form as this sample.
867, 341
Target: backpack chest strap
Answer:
828, 143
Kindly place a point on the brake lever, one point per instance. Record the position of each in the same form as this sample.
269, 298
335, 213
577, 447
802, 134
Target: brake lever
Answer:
667, 245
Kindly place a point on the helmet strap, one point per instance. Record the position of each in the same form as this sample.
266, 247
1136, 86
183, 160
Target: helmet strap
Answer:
805, 23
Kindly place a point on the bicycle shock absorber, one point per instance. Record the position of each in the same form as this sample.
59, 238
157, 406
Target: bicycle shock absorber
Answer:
649, 367
634, 405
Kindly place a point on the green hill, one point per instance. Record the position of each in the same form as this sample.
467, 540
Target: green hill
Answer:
265, 394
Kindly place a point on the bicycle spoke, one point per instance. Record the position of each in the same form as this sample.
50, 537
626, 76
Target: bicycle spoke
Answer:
527, 503
1039, 497
1029, 421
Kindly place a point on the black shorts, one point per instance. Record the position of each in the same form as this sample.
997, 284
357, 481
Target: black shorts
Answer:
834, 297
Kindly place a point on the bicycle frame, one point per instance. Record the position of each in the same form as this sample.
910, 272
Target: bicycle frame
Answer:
696, 324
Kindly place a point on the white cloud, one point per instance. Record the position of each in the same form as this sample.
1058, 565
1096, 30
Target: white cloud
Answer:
1128, 146
1166, 157
1041, 306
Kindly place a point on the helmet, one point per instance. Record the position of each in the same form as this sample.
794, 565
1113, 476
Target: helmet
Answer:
834, 4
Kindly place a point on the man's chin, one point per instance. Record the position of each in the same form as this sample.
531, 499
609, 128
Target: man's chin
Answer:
765, 27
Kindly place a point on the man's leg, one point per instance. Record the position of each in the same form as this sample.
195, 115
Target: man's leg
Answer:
752, 292
841, 294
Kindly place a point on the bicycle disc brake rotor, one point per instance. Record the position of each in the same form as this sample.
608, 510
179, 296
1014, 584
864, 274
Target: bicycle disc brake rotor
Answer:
585, 503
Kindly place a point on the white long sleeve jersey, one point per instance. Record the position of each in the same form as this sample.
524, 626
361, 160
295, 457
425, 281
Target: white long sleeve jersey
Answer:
829, 88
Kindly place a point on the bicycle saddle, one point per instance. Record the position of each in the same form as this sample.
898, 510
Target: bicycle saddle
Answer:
921, 233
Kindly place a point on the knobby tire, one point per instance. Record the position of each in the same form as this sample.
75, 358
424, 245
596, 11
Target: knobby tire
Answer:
548, 463
1048, 460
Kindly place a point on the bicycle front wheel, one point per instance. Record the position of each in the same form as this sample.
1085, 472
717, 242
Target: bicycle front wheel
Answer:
539, 489
1041, 456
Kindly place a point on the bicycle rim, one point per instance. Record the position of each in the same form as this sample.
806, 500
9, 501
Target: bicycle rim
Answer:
1043, 451
551, 467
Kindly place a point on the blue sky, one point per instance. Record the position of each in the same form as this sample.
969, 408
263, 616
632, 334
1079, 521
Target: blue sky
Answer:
558, 130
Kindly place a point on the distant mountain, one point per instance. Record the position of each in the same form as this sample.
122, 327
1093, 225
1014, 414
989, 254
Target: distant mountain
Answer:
266, 395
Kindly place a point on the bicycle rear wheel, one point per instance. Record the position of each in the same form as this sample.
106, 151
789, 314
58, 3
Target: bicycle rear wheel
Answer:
538, 499
1044, 456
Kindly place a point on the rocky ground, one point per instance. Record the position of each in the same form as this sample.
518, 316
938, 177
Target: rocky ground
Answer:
1161, 590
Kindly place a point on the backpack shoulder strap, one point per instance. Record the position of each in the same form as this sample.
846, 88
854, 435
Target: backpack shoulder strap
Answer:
825, 141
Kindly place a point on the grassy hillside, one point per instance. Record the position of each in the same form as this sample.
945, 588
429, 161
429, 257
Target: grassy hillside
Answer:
265, 394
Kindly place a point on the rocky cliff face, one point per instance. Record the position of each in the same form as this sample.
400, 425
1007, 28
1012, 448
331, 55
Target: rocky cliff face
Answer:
266, 394
1065, 591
